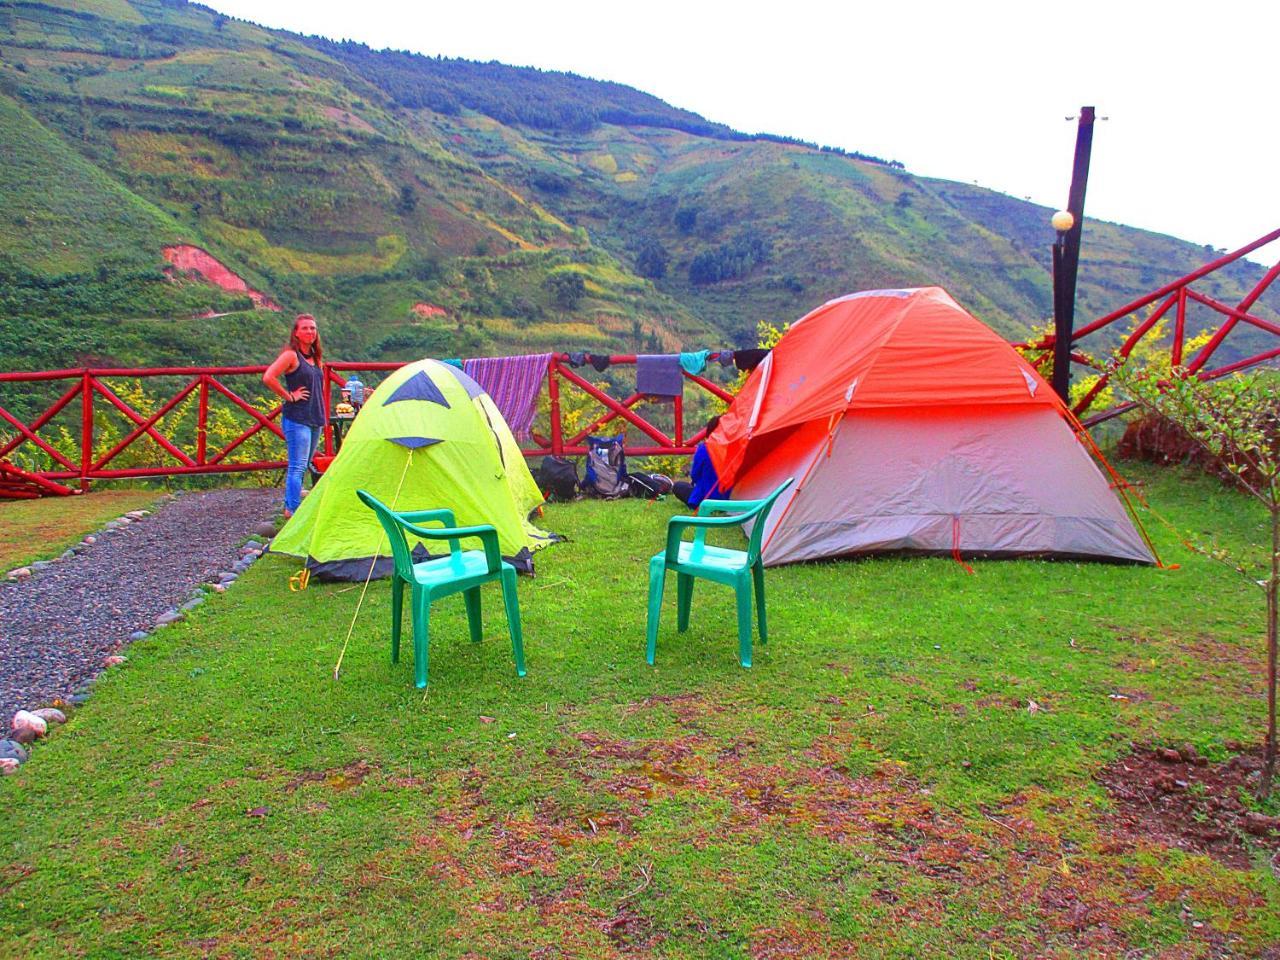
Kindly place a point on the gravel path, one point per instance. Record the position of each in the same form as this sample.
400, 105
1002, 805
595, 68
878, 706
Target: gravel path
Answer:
57, 626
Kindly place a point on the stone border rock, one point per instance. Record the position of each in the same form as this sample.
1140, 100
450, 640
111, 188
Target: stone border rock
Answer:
133, 516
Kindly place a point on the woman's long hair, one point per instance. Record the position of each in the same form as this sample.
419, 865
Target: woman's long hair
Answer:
317, 351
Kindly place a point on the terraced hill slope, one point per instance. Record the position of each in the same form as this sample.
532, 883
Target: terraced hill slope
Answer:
425, 205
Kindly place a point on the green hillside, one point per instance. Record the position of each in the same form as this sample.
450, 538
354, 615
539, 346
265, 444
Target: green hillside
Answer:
528, 209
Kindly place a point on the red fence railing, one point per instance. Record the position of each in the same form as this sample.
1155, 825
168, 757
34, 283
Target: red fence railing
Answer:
32, 464
1176, 296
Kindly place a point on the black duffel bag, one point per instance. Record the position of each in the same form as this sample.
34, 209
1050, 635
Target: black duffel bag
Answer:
558, 479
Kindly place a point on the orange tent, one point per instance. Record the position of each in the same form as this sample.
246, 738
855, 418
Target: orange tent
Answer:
909, 424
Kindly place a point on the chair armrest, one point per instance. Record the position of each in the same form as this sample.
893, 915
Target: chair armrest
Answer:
419, 516
683, 521
677, 525
487, 534
718, 506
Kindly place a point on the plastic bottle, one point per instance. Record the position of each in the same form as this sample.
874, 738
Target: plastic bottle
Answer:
357, 390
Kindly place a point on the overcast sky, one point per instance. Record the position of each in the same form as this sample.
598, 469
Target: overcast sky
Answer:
974, 92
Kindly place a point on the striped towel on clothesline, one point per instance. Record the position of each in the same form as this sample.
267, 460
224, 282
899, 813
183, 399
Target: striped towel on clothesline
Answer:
513, 383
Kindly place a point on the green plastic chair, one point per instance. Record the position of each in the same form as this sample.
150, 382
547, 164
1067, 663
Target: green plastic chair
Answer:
737, 568
462, 571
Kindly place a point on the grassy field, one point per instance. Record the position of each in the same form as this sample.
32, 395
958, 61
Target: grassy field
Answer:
874, 786
33, 530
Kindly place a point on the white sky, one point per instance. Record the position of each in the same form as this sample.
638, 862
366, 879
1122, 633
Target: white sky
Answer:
975, 92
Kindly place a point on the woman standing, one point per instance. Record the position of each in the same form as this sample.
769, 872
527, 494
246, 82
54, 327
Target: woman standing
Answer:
303, 418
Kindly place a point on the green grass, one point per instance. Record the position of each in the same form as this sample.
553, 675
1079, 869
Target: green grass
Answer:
873, 786
33, 530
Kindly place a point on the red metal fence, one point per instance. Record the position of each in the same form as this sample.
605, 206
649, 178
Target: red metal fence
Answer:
32, 464
1177, 296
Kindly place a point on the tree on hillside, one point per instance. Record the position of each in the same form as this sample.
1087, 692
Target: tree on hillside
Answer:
651, 260
407, 201
567, 288
1237, 422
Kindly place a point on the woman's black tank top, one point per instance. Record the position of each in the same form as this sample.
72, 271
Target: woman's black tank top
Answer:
311, 410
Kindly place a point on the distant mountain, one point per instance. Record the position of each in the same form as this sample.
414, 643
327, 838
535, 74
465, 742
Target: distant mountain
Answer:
427, 205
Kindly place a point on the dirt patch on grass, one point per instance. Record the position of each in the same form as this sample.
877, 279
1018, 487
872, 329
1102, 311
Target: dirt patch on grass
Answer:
1177, 798
349, 119
335, 778
1209, 650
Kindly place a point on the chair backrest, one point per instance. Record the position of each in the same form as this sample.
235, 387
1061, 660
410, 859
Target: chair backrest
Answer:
395, 533
761, 514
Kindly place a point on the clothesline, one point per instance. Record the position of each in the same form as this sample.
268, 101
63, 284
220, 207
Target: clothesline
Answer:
515, 382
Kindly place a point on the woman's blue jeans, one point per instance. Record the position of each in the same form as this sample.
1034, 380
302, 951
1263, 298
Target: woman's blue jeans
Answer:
300, 440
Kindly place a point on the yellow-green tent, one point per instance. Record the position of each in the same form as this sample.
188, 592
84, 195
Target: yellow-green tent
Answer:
428, 438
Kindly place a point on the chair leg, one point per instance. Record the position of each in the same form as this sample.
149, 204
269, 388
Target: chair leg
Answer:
397, 615
757, 574
511, 600
421, 634
472, 600
743, 590
684, 600
657, 581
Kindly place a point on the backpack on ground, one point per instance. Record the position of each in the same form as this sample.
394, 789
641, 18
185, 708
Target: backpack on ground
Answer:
649, 486
558, 479
606, 471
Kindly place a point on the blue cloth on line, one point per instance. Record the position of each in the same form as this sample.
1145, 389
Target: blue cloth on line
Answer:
659, 375
694, 362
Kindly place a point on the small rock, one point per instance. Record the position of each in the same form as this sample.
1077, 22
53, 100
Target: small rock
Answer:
1168, 755
67, 554
25, 735
50, 715
20, 574
1259, 824
77, 699
259, 813
114, 660
89, 540
1033, 707
137, 514
137, 635
1165, 784
267, 530
193, 603
13, 750
168, 617
25, 720
1188, 753
42, 565
8, 765
219, 588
